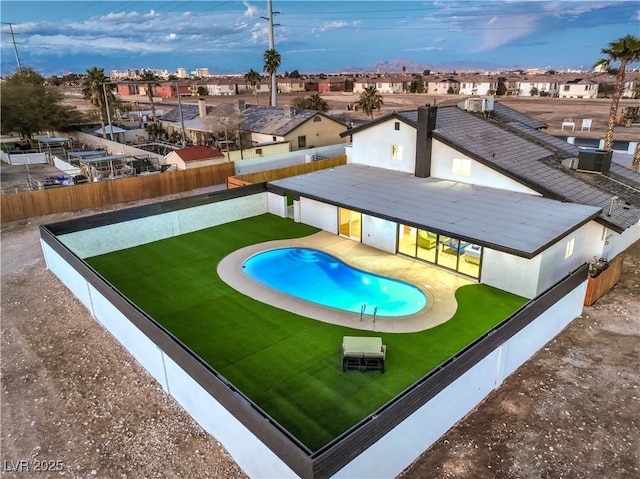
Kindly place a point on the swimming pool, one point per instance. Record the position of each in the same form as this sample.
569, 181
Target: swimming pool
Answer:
321, 278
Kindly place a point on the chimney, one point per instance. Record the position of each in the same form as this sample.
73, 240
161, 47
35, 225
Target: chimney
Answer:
289, 111
426, 124
239, 105
202, 108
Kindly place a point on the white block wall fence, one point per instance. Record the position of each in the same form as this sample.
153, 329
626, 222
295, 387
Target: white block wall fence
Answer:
381, 445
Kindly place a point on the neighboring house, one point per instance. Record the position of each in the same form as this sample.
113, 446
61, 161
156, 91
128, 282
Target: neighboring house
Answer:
542, 85
361, 84
443, 86
194, 157
291, 85
578, 88
259, 124
221, 87
265, 124
331, 84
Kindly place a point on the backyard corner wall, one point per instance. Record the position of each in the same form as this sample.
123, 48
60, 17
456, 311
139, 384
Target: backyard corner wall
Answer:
122, 235
389, 456
442, 167
277, 204
251, 454
368, 150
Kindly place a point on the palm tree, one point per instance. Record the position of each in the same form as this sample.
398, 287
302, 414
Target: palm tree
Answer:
625, 50
315, 102
253, 77
370, 100
271, 64
151, 82
94, 89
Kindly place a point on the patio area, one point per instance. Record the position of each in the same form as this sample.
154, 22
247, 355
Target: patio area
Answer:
438, 285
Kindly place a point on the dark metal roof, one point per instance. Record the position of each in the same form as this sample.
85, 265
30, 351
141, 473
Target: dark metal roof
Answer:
518, 223
532, 157
509, 114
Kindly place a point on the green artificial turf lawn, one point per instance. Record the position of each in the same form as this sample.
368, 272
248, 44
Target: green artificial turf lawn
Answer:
287, 364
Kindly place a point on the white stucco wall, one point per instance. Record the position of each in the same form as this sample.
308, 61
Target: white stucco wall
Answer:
372, 146
617, 243
320, 215
132, 233
554, 265
248, 451
379, 233
442, 167
400, 447
511, 273
277, 204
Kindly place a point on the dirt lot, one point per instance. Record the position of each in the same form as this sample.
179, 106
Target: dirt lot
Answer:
71, 395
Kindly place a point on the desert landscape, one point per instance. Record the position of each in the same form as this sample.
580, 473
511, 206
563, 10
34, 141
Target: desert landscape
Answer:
76, 404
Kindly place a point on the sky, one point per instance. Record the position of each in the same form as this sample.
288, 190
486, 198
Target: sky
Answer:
55, 37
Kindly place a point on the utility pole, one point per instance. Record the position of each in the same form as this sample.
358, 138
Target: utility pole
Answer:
274, 82
13, 40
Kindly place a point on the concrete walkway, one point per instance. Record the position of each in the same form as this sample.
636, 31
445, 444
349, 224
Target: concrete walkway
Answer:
438, 285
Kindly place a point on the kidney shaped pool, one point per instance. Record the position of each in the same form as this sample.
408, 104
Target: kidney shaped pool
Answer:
321, 278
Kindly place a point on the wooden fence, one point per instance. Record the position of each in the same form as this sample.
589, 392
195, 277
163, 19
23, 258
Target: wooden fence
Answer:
602, 283
93, 195
271, 175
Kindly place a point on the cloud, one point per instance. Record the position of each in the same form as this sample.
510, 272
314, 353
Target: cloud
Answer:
337, 25
440, 40
251, 10
492, 20
504, 30
422, 49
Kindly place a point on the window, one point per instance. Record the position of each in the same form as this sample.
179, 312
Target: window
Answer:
566, 88
569, 249
461, 166
259, 151
302, 142
396, 152
274, 138
317, 118
396, 126
586, 87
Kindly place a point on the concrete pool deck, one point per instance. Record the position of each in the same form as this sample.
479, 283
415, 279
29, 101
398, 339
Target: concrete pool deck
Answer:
438, 285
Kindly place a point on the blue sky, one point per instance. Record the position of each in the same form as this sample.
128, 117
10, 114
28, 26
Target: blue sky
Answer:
55, 37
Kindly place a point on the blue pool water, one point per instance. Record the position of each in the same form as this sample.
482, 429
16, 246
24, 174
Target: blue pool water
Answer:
321, 278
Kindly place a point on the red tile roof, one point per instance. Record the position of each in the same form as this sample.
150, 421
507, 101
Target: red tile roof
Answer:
198, 153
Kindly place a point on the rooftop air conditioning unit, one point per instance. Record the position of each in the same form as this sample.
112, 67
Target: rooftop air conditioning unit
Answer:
480, 104
594, 160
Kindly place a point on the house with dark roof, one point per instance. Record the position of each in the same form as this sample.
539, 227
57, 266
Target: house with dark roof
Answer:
519, 208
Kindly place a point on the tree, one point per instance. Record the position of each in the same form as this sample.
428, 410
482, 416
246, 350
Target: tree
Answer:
534, 91
28, 106
294, 74
501, 89
271, 64
417, 84
252, 77
155, 130
94, 90
202, 91
313, 102
151, 82
370, 100
624, 50
426, 73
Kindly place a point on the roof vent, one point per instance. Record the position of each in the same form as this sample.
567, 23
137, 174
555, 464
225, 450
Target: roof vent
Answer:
594, 160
